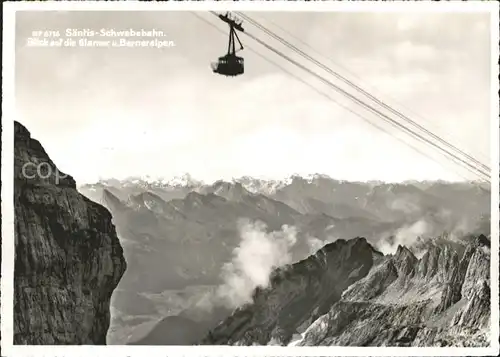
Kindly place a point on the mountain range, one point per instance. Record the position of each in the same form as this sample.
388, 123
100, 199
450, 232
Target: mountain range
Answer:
180, 236
304, 261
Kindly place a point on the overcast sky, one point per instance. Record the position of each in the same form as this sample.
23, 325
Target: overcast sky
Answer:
118, 112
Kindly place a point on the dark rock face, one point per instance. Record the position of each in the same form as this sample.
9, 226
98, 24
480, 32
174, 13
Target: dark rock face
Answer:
297, 296
68, 259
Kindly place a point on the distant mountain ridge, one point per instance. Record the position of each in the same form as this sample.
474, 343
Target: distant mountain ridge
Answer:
303, 193
252, 184
320, 194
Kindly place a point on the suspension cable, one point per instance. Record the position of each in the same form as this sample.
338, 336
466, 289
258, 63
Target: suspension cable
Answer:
304, 43
372, 109
376, 100
367, 106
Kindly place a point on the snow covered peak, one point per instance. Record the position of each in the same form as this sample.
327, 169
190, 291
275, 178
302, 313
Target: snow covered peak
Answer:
255, 185
147, 182
185, 180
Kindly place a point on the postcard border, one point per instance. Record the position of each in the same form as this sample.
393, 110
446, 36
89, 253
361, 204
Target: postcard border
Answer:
8, 106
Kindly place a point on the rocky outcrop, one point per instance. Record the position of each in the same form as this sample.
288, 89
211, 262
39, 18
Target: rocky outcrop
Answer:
68, 259
439, 300
298, 294
349, 295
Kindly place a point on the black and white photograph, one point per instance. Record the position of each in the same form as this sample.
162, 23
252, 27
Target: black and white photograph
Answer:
192, 176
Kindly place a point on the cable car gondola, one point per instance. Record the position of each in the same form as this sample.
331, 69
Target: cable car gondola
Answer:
230, 65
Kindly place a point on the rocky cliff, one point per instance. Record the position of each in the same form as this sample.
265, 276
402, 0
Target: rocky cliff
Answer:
442, 299
299, 294
68, 259
348, 294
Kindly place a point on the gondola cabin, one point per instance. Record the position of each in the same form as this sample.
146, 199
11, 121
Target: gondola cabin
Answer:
230, 65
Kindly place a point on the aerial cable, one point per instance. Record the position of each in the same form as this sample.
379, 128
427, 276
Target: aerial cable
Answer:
323, 80
385, 117
367, 106
357, 77
329, 97
347, 81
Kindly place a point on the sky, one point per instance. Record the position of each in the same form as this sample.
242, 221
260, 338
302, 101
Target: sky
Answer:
121, 112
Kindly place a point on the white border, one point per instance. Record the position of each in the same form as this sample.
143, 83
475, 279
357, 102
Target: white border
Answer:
8, 106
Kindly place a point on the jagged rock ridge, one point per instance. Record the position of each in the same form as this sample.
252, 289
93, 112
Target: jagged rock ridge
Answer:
359, 297
68, 258
298, 294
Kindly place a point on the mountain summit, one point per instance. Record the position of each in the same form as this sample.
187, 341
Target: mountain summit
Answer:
348, 294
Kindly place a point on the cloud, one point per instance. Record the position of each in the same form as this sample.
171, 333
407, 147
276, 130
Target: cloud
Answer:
416, 235
258, 254
315, 244
408, 51
407, 236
